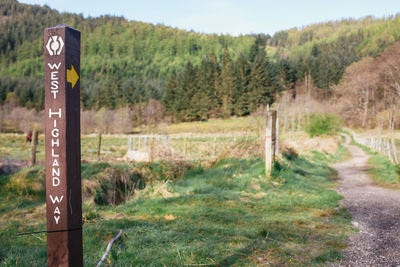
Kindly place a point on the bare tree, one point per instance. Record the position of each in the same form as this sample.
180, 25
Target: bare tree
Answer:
357, 92
389, 62
25, 120
88, 121
104, 119
153, 113
122, 122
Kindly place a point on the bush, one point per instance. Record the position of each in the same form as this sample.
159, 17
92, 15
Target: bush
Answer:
320, 124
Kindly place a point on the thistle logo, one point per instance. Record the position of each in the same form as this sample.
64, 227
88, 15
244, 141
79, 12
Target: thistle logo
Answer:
55, 45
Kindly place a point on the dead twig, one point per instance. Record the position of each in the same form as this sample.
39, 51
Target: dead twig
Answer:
109, 248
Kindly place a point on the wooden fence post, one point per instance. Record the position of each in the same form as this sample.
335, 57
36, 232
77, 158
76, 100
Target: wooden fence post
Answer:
394, 151
33, 147
151, 149
270, 139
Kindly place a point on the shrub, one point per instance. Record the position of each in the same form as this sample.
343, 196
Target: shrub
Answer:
323, 124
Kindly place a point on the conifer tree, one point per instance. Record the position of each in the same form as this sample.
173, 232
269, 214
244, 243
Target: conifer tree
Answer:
260, 89
242, 95
228, 85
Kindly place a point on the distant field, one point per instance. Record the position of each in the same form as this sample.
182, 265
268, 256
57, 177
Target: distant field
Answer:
114, 147
244, 125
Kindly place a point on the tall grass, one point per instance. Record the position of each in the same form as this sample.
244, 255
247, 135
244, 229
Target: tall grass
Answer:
229, 214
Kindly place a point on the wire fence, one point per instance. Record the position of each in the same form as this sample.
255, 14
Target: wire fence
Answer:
385, 146
153, 147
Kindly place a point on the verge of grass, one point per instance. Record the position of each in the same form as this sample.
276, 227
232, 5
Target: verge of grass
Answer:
381, 169
342, 154
226, 215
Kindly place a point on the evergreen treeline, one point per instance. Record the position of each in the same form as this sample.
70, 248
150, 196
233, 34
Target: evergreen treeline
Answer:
196, 75
226, 87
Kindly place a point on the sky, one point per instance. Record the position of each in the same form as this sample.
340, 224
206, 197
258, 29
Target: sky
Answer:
233, 17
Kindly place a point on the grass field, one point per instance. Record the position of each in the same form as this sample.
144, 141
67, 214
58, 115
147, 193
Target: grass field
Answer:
228, 214
241, 125
114, 147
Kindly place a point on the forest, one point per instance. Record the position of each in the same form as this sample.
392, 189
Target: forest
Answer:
191, 76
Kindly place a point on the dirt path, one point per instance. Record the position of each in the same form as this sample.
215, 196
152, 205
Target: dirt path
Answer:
375, 211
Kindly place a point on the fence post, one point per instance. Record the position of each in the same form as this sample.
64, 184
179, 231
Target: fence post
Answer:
388, 154
33, 147
394, 151
151, 149
270, 138
98, 146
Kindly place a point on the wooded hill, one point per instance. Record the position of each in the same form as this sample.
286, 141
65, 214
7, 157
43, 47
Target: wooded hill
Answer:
196, 76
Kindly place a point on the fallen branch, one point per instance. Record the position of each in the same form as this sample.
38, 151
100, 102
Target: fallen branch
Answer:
109, 248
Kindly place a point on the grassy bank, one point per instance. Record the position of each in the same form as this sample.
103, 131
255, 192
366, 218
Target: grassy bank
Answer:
381, 169
229, 214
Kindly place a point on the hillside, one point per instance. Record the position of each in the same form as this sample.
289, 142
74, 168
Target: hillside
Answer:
196, 76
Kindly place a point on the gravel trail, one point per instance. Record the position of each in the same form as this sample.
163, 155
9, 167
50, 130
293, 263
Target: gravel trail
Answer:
375, 212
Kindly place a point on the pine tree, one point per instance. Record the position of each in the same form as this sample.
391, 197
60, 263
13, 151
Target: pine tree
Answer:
206, 83
199, 106
228, 85
260, 89
186, 90
242, 95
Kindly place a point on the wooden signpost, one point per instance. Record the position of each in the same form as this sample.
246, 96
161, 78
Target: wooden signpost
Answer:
63, 155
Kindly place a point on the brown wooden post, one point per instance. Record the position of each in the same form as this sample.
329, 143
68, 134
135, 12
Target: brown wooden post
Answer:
33, 147
270, 134
63, 143
274, 135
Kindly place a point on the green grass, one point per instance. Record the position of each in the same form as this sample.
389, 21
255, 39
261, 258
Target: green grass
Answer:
226, 215
240, 124
381, 169
342, 154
